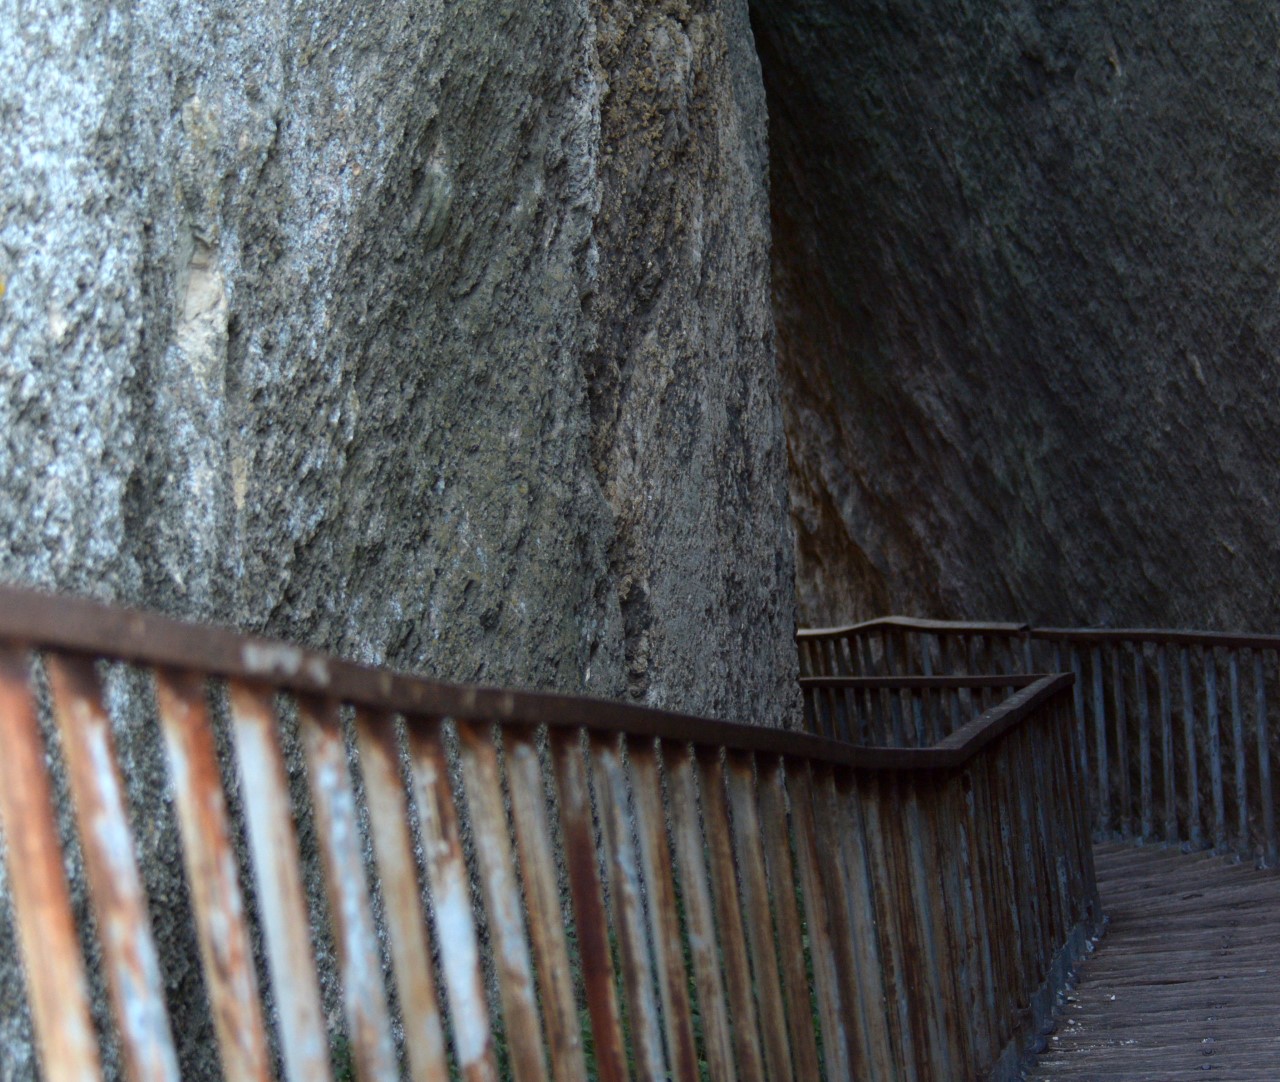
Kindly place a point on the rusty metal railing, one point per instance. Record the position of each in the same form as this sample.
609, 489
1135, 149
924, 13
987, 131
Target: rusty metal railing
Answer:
658, 895
1178, 727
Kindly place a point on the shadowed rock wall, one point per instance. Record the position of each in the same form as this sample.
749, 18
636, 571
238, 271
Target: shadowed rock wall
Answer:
1026, 269
437, 335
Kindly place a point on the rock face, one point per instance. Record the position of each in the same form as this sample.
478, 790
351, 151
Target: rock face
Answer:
436, 336
1026, 266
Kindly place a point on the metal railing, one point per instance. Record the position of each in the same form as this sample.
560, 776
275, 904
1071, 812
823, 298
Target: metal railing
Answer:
1178, 727
660, 895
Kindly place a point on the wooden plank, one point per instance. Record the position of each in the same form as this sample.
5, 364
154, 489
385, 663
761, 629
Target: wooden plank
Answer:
56, 986
119, 902
1166, 749
500, 891
225, 953
406, 922
1243, 843
1120, 728
1145, 787
535, 846
281, 896
1214, 750
364, 998
452, 905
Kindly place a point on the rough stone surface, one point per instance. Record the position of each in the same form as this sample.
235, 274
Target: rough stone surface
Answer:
437, 336
1026, 266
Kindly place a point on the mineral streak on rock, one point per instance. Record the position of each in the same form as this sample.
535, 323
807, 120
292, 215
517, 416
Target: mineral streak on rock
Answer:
1026, 290
436, 335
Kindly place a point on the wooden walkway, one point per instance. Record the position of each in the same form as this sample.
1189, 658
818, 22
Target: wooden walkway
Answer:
1186, 982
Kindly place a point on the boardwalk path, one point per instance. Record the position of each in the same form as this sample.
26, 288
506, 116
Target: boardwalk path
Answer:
1186, 982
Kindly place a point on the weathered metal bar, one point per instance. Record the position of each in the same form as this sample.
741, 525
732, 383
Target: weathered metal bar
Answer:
406, 923
761, 945
57, 989
1263, 745
782, 875
1238, 754
1214, 750
728, 909
225, 953
628, 908
350, 914
832, 1008
448, 879
664, 918
482, 786
1145, 785
696, 894
1101, 766
1166, 736
115, 885
282, 900
1120, 727
850, 905
1192, 757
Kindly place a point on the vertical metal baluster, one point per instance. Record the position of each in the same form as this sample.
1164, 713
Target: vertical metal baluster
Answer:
664, 919
1210, 661
534, 844
350, 913
451, 897
759, 921
225, 952
728, 908
1263, 735
119, 900
281, 895
406, 924
1237, 738
1166, 736
696, 893
509, 943
57, 989
1190, 750
1124, 798
782, 881
1144, 741
1103, 776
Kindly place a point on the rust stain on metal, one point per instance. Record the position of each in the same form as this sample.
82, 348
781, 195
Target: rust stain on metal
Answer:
447, 875
628, 908
56, 985
406, 923
282, 903
542, 897
695, 891
211, 875
664, 917
502, 901
119, 902
350, 914
588, 905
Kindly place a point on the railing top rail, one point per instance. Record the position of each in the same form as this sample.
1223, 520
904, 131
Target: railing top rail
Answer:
912, 623
79, 625
1174, 636
904, 683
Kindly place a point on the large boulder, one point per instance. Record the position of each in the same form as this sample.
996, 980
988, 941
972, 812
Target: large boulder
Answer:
1026, 291
438, 336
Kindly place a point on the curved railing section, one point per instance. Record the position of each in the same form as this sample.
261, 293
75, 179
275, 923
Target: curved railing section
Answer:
1177, 726
656, 895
